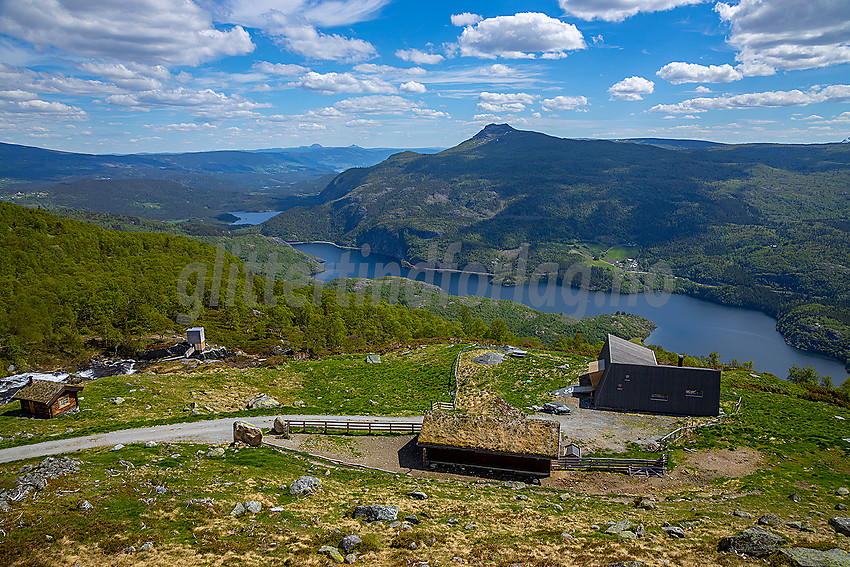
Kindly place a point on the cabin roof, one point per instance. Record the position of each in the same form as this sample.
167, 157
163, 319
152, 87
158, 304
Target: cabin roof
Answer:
44, 391
621, 351
493, 426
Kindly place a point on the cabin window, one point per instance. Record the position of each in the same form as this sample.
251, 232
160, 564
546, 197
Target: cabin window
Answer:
628, 378
693, 393
619, 386
658, 397
64, 401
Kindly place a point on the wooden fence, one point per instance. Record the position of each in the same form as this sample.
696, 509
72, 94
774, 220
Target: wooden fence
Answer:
320, 426
677, 434
642, 467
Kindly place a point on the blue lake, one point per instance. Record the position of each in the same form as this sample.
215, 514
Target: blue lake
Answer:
685, 324
252, 218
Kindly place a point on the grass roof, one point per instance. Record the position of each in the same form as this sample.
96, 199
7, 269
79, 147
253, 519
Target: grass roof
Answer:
495, 426
44, 391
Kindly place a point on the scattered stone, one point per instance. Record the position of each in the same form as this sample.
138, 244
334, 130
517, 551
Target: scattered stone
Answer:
645, 503
305, 485
842, 491
565, 535
332, 553
628, 564
395, 524
247, 433
794, 497
350, 542
277, 509
755, 542
351, 558
801, 525
515, 484
215, 452
262, 401
281, 427
841, 525
35, 477
470, 526
117, 447
85, 506
160, 490
806, 557
769, 520
520, 497
254, 506
417, 495
150, 444
623, 528
453, 521
412, 519
4, 506
117, 400
674, 531
742, 514
840, 506
238, 510
376, 512
205, 502
147, 546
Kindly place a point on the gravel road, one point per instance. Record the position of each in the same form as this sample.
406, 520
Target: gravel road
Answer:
212, 431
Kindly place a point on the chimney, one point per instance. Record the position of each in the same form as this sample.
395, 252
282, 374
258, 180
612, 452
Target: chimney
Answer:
681, 360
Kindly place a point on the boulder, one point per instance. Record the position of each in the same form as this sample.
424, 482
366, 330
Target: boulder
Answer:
350, 542
806, 557
117, 447
840, 506
305, 485
742, 514
85, 505
769, 520
281, 427
755, 542
842, 491
215, 452
351, 558
247, 433
417, 495
254, 506
623, 528
332, 553
262, 401
238, 510
674, 531
376, 512
841, 525
645, 503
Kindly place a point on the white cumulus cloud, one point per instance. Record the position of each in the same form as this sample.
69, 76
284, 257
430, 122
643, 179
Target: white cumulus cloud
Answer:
419, 57
788, 34
768, 99
504, 102
375, 104
679, 72
563, 103
329, 83
465, 19
157, 32
280, 69
309, 42
618, 10
412, 87
632, 88
521, 36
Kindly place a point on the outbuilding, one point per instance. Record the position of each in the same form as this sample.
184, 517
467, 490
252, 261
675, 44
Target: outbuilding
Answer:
628, 377
494, 436
47, 399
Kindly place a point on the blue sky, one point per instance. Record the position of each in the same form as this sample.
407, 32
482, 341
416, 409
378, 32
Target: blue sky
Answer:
111, 76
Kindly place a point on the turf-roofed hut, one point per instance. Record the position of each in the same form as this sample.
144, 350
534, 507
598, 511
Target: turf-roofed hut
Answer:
493, 435
44, 398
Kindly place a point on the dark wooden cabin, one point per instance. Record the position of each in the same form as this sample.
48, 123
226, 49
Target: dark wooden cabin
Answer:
494, 436
46, 399
627, 377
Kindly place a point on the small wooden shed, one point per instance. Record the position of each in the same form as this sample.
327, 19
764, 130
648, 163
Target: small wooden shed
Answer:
494, 435
46, 399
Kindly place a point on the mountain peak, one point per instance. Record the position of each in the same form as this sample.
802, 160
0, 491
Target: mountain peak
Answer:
493, 131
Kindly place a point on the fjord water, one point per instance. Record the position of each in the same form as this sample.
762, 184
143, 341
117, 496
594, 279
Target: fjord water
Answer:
685, 324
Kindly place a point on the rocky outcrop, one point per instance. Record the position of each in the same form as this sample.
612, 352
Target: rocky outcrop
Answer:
35, 477
376, 512
262, 401
247, 433
755, 542
305, 485
806, 557
281, 427
841, 525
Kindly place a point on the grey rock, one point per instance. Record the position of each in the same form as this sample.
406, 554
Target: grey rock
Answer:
253, 506
376, 512
247, 433
117, 400
640, 531
620, 527
418, 495
350, 542
769, 520
742, 514
117, 447
842, 491
262, 401
412, 519
281, 427
801, 525
204, 502
645, 504
794, 497
470, 526
150, 444
332, 553
4, 506
840, 506
755, 542
841, 525
305, 485
395, 524
515, 484
520, 497
147, 546
674, 531
215, 452
806, 557
238, 510
565, 535
85, 505
351, 558
160, 490
453, 521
